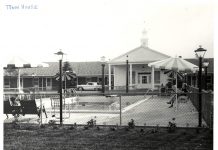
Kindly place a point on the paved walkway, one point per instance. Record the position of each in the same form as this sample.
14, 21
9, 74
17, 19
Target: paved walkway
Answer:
156, 111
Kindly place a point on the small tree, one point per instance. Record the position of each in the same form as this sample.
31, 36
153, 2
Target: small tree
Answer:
67, 74
67, 67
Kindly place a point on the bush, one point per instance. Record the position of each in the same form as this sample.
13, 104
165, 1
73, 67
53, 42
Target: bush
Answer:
51, 122
91, 123
131, 124
171, 127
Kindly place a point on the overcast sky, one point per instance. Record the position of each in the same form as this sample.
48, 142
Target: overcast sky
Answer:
89, 29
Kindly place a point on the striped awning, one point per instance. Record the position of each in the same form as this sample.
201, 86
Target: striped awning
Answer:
175, 64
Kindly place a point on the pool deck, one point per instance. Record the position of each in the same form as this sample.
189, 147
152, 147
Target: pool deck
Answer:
150, 111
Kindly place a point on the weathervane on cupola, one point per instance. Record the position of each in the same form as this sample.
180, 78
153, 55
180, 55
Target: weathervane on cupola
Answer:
144, 38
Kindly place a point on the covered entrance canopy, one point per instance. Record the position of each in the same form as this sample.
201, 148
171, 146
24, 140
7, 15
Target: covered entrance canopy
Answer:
140, 74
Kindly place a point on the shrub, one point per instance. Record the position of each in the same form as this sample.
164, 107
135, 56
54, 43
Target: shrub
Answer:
131, 124
51, 122
91, 123
171, 127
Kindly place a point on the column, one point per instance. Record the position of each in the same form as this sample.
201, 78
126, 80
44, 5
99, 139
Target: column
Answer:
18, 82
130, 76
109, 76
152, 78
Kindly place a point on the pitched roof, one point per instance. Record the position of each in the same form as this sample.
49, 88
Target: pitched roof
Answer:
139, 55
210, 60
80, 68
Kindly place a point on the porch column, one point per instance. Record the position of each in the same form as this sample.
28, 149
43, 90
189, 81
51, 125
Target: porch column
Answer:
130, 76
109, 75
18, 81
152, 78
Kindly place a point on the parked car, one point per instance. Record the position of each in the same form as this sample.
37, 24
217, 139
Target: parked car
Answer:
89, 86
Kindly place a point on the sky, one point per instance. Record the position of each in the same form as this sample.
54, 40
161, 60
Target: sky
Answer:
87, 30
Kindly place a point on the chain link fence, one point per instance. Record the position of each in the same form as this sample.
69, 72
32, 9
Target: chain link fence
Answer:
145, 109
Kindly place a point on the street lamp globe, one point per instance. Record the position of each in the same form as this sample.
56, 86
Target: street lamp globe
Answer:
206, 64
60, 54
200, 52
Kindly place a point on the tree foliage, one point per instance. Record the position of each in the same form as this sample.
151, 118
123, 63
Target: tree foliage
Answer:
67, 66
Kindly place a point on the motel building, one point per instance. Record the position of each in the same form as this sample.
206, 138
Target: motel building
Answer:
140, 75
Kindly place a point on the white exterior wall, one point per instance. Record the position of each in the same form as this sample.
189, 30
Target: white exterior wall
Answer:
120, 76
140, 68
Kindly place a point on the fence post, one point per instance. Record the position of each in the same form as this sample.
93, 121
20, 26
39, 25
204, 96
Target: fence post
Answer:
120, 111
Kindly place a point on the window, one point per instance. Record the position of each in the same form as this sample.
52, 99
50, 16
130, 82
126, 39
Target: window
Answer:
48, 81
156, 76
6, 83
144, 79
36, 82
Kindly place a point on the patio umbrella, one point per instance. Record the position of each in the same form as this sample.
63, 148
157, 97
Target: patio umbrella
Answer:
18, 63
67, 75
175, 65
171, 74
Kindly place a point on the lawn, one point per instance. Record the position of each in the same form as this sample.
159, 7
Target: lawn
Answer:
31, 136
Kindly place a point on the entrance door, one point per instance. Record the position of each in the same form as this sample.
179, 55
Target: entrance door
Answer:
144, 79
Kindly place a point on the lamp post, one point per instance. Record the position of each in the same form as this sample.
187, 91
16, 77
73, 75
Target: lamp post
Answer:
103, 76
200, 54
60, 53
127, 74
205, 64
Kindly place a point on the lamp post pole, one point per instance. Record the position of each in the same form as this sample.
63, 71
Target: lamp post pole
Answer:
103, 82
127, 75
200, 53
200, 90
103, 74
205, 65
205, 79
60, 84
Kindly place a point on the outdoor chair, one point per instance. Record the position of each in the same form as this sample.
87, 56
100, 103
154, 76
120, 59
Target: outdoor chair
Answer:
163, 91
26, 107
29, 107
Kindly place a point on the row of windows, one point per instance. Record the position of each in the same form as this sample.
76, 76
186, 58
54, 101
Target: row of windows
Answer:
37, 82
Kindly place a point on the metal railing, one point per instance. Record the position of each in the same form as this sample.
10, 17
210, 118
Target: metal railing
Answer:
147, 108
207, 104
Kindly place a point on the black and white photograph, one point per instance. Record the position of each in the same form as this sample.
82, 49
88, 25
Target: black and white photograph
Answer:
107, 74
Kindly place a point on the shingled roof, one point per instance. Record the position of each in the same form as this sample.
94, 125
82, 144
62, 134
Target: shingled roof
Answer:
87, 68
80, 68
210, 60
139, 55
